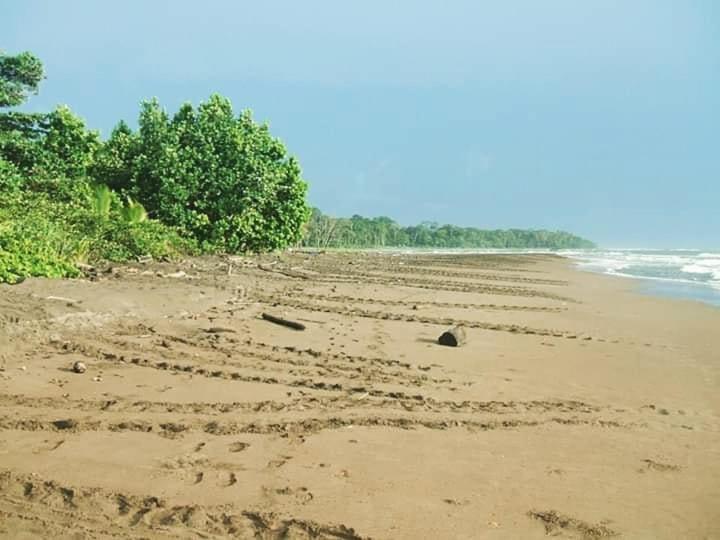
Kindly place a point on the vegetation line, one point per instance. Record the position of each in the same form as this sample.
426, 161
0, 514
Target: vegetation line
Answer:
203, 180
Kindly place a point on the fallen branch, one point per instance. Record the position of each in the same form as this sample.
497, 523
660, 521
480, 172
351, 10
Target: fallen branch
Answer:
63, 299
283, 322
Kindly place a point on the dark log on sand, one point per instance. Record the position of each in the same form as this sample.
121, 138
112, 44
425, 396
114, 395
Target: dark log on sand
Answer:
454, 337
283, 322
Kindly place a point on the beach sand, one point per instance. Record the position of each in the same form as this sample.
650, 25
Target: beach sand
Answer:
577, 408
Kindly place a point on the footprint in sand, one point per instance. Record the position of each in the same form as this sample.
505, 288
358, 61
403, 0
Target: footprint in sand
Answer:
231, 480
301, 495
238, 446
277, 463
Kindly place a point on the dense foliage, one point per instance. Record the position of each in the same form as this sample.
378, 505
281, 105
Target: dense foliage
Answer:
40, 236
203, 178
20, 75
221, 178
360, 232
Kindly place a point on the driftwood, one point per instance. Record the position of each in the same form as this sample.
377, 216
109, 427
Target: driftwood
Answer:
288, 273
283, 322
454, 337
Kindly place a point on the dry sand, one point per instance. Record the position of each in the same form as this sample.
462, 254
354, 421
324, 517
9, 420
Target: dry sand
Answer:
577, 409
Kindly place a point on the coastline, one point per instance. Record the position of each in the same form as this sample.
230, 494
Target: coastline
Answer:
360, 425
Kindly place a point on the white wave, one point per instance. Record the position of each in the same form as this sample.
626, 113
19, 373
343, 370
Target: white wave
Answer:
699, 268
656, 278
704, 266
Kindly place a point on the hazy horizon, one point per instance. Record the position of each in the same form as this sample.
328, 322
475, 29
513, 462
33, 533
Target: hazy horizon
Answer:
600, 119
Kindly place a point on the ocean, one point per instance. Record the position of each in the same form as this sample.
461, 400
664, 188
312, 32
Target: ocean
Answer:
691, 274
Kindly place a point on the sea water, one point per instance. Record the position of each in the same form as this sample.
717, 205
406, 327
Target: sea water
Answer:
692, 274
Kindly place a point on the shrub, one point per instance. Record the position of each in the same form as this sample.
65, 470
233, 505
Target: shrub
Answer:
34, 243
41, 237
221, 178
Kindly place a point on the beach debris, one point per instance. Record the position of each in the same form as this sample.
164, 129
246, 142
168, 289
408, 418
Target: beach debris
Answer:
219, 330
453, 337
64, 424
68, 301
283, 322
556, 523
144, 259
658, 466
87, 270
79, 367
178, 274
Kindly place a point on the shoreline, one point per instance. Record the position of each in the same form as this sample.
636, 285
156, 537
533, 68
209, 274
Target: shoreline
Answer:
672, 288
705, 294
360, 426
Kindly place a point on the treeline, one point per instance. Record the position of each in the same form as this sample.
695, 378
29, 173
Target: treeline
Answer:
324, 231
202, 180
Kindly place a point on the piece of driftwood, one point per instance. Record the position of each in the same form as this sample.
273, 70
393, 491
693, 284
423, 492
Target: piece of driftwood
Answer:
283, 322
454, 337
288, 273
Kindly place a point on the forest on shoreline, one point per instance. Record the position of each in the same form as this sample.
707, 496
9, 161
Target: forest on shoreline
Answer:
324, 231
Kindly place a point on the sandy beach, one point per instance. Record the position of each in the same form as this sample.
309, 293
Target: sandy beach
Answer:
578, 408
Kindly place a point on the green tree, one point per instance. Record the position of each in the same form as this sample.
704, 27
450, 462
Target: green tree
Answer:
223, 178
68, 148
361, 232
113, 160
20, 75
56, 144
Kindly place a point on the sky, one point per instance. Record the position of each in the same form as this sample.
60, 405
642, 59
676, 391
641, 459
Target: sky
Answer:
599, 117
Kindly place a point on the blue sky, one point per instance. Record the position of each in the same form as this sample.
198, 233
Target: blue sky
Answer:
597, 117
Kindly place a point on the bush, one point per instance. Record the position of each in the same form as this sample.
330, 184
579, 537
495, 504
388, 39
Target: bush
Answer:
10, 177
43, 238
223, 179
34, 243
121, 241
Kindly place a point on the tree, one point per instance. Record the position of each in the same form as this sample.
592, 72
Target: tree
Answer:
222, 178
113, 161
20, 75
361, 232
56, 144
67, 148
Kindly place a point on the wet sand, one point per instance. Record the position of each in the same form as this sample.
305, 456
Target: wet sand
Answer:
578, 408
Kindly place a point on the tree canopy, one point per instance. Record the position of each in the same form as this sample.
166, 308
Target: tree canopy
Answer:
219, 176
360, 232
20, 75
